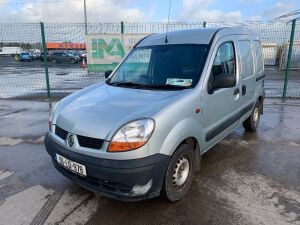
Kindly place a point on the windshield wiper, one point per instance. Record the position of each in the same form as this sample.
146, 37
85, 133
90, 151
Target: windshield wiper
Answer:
125, 84
166, 86
149, 86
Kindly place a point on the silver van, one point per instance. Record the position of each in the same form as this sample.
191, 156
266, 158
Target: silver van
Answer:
142, 131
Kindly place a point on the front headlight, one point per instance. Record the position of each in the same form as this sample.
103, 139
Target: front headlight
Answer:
51, 114
132, 136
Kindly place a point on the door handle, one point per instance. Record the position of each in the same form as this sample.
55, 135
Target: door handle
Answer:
236, 91
244, 89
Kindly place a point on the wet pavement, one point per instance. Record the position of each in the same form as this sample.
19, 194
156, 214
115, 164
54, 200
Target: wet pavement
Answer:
27, 79
248, 178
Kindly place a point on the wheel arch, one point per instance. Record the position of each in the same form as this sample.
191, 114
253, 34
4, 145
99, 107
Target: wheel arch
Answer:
187, 131
261, 101
197, 153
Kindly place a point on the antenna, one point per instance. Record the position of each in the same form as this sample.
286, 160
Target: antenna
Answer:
166, 39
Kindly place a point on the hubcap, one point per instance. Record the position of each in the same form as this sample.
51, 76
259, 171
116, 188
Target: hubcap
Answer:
181, 172
256, 116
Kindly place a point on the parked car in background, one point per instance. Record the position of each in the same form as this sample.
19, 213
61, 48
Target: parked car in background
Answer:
42, 56
25, 56
35, 55
76, 54
141, 133
63, 57
83, 55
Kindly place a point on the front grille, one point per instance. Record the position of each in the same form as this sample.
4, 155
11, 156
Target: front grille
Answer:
61, 133
89, 142
83, 141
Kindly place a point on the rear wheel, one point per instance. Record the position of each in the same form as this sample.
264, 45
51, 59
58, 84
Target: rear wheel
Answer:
251, 123
180, 173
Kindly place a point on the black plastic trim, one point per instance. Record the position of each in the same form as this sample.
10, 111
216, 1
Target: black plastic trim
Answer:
247, 108
141, 40
260, 77
61, 132
231, 120
113, 178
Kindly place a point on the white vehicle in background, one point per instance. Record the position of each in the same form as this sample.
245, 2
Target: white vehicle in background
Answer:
36, 53
11, 50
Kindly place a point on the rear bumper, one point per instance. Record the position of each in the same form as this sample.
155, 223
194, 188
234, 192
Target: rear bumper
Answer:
114, 178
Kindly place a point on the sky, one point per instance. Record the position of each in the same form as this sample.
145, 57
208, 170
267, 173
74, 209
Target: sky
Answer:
12, 11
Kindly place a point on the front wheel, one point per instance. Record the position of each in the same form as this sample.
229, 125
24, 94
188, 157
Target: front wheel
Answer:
180, 173
251, 123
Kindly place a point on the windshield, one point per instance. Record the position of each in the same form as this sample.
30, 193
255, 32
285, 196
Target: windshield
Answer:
160, 66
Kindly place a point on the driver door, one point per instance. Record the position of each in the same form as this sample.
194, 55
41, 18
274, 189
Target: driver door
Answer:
220, 105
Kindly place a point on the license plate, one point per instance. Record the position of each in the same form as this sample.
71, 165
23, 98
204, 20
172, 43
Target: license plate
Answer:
70, 165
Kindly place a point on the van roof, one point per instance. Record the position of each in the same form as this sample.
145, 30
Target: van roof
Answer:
194, 36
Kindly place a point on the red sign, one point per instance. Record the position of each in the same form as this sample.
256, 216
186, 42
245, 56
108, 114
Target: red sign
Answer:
55, 45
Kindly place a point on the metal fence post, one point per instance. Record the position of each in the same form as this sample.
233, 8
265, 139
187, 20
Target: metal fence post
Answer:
122, 27
204, 24
45, 59
288, 64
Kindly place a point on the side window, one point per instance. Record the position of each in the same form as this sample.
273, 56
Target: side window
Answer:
246, 58
224, 62
259, 62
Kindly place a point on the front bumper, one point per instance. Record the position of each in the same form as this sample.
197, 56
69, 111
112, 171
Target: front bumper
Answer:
113, 178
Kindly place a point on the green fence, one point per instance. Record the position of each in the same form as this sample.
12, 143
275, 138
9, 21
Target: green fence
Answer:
28, 79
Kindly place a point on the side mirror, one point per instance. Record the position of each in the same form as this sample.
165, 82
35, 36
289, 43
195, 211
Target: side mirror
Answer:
107, 73
223, 81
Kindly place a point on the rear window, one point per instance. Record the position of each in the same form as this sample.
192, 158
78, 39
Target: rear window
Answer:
259, 62
246, 58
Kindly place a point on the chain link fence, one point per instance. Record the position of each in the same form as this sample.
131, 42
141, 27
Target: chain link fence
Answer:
25, 78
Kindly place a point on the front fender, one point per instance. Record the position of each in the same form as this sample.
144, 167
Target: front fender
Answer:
188, 127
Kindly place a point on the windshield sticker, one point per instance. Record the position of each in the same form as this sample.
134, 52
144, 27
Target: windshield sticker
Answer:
179, 82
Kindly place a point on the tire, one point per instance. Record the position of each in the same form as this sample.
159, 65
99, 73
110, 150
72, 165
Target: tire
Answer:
251, 123
176, 187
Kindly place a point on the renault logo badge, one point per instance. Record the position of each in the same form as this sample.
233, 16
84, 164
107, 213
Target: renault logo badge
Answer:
70, 140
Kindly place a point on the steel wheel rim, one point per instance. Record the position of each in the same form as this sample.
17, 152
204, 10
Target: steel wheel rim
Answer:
181, 172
